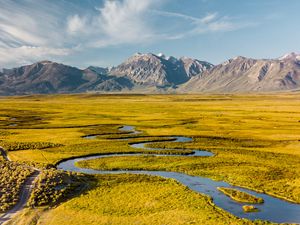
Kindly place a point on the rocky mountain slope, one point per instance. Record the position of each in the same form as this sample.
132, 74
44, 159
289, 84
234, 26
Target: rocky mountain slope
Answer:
49, 77
194, 67
158, 70
141, 72
249, 75
156, 74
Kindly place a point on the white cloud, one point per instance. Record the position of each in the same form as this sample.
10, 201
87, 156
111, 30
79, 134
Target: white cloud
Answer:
29, 54
209, 17
55, 27
177, 15
76, 24
24, 24
20, 35
212, 22
222, 26
133, 22
117, 22
30, 23
124, 20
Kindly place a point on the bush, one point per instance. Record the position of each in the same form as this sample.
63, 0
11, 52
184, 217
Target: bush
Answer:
12, 177
15, 146
54, 186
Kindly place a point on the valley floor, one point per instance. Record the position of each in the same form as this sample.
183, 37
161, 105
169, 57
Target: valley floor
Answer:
255, 139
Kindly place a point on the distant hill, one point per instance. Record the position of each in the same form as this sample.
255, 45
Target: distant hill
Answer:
156, 74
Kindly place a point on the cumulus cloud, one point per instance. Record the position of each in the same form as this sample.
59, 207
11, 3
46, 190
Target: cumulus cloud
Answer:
116, 22
125, 21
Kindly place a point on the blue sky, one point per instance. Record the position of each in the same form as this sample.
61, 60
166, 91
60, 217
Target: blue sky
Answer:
106, 32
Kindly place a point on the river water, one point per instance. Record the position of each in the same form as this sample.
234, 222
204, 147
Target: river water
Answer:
273, 209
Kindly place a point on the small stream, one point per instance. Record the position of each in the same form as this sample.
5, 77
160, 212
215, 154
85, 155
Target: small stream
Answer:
273, 209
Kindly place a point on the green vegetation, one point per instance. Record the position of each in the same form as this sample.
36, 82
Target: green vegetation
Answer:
15, 146
248, 170
55, 186
12, 177
138, 199
255, 139
17, 117
250, 208
4, 133
240, 196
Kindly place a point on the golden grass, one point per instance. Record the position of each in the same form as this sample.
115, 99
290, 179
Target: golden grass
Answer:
241, 196
138, 199
250, 208
255, 138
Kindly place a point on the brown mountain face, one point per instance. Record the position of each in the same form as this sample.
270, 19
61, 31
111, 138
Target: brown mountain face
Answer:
157, 70
139, 72
156, 74
41, 77
248, 75
195, 67
49, 77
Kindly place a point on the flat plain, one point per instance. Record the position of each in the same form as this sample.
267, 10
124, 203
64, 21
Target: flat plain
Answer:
255, 140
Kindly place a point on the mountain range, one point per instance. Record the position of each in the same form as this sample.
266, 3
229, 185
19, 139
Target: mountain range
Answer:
153, 73
249, 75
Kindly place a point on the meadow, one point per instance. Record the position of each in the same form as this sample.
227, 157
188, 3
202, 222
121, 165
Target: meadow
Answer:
255, 139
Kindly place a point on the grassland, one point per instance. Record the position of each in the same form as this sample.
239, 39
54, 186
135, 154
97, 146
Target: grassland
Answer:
137, 199
241, 196
255, 140
53, 187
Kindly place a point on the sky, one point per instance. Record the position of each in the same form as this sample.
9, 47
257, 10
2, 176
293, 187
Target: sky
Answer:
106, 32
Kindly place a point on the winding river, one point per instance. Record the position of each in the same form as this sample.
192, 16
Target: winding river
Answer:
273, 209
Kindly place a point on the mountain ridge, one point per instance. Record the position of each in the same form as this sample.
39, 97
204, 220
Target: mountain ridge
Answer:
242, 74
150, 69
153, 73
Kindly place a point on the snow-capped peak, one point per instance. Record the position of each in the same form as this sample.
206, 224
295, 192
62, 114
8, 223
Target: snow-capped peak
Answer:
291, 55
45, 62
161, 55
239, 58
